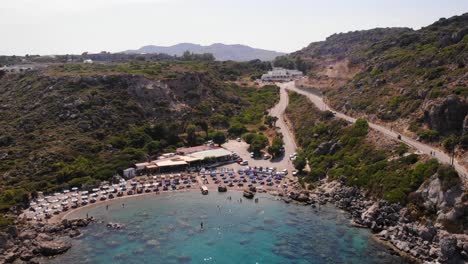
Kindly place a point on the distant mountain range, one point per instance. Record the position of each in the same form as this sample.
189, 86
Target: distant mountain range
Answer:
221, 51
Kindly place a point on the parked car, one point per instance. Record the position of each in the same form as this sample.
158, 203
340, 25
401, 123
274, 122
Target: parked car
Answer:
252, 154
238, 139
266, 156
243, 163
294, 172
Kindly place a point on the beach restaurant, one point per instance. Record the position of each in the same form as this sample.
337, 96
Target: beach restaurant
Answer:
181, 160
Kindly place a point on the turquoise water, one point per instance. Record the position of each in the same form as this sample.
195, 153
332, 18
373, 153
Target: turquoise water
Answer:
166, 229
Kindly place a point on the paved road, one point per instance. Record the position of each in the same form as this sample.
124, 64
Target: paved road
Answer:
288, 137
289, 143
440, 155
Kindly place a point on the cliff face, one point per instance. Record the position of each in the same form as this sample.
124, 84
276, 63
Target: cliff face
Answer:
446, 115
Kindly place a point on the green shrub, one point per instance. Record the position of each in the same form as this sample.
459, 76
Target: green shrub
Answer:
448, 177
428, 135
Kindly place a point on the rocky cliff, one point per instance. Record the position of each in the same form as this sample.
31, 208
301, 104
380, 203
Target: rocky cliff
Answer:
415, 80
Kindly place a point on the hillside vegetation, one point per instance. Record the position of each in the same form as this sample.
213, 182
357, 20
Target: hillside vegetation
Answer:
341, 151
415, 80
78, 124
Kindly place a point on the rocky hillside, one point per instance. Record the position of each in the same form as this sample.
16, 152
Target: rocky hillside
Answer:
415, 204
75, 124
414, 80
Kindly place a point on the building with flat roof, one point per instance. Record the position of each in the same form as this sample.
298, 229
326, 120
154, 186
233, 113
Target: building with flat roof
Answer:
280, 74
189, 150
218, 153
185, 157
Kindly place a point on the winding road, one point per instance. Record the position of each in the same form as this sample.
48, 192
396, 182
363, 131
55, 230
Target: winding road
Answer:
318, 101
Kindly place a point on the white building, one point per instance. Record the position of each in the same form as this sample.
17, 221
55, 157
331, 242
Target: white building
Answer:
129, 173
280, 74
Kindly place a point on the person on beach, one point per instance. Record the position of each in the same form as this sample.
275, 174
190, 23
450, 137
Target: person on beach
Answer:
123, 205
107, 207
87, 216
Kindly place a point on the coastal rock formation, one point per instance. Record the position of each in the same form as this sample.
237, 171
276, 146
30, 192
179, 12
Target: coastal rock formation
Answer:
54, 247
395, 226
301, 197
27, 242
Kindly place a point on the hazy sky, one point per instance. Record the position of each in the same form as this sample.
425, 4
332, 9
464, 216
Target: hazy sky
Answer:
75, 26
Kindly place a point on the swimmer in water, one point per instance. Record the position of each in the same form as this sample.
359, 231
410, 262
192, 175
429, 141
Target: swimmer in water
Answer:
201, 225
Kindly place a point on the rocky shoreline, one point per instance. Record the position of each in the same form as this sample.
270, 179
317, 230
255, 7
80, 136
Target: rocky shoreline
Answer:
31, 243
391, 224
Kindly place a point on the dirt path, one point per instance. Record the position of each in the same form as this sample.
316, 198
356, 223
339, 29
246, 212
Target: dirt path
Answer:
438, 154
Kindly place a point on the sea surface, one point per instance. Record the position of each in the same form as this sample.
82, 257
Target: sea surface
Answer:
167, 229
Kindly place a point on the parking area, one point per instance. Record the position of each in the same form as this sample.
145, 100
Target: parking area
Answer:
241, 148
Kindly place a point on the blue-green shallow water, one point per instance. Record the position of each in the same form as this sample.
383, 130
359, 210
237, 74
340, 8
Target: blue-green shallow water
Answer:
166, 229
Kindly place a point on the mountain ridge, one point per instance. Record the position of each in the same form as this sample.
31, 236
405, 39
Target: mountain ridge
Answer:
222, 52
